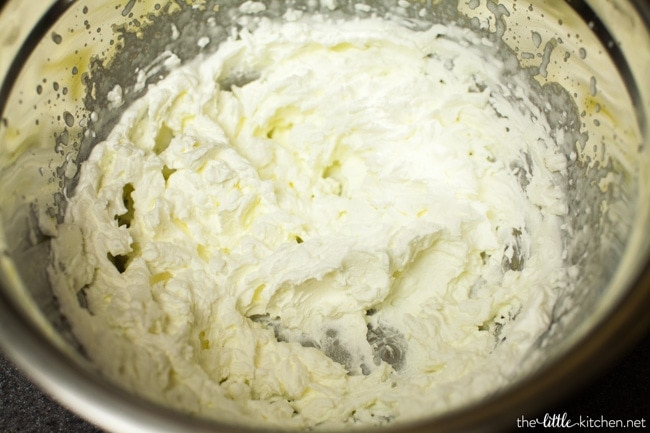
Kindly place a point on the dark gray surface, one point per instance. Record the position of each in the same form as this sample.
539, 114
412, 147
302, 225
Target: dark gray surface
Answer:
25, 409
622, 393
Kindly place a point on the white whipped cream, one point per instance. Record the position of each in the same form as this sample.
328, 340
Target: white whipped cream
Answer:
325, 224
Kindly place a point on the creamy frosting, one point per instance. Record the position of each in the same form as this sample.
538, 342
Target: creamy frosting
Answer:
322, 224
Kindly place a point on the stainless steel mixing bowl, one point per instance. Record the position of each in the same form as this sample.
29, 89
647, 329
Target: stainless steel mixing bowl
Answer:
60, 59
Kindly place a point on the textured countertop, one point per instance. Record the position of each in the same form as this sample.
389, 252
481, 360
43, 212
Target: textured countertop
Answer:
621, 393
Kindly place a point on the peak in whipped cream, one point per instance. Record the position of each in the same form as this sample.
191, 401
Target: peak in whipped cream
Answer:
323, 224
